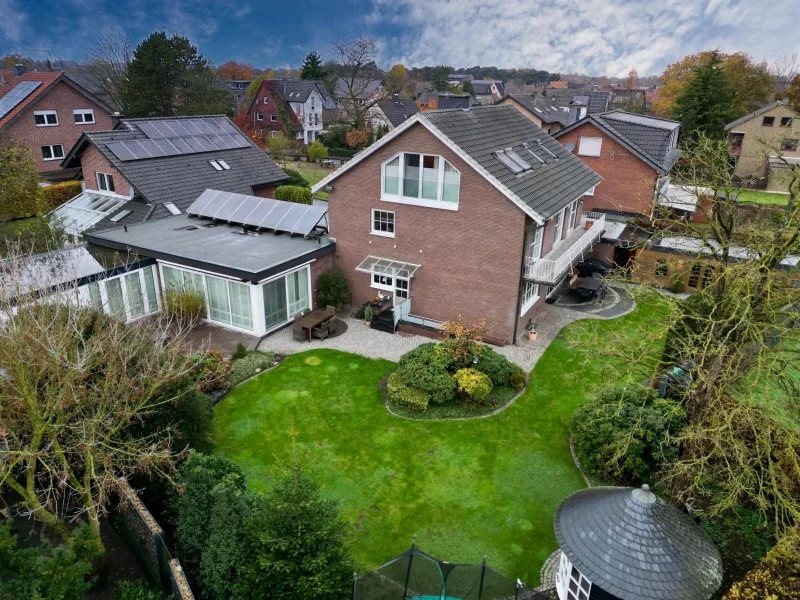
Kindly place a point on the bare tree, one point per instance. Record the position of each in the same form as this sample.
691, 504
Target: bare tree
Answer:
77, 387
107, 64
785, 67
357, 89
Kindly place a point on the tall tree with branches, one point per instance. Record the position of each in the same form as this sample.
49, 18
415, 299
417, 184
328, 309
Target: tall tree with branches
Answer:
707, 103
355, 89
107, 65
312, 69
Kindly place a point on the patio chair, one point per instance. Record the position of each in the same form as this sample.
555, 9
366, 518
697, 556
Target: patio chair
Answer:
321, 332
330, 310
298, 333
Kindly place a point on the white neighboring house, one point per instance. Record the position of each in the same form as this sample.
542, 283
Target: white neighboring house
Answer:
307, 100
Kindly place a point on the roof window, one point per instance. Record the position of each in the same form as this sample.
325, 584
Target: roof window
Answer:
533, 154
512, 160
224, 165
546, 149
215, 164
120, 215
173, 210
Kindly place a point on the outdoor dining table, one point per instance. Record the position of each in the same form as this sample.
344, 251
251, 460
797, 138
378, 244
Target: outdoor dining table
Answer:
313, 319
589, 286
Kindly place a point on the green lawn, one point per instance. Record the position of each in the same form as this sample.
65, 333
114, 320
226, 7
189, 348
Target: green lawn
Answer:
312, 173
466, 488
758, 197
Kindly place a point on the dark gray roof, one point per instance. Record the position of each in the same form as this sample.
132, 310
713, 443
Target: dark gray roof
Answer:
482, 131
632, 545
296, 90
177, 179
484, 86
448, 100
542, 108
650, 138
364, 89
397, 109
220, 247
755, 113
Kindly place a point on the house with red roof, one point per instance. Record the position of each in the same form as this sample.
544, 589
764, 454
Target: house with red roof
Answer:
48, 112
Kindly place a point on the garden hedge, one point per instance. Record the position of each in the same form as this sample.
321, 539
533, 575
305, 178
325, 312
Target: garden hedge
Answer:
332, 288
402, 395
426, 368
293, 193
56, 194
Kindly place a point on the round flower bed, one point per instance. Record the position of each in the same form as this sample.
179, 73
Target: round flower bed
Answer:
430, 383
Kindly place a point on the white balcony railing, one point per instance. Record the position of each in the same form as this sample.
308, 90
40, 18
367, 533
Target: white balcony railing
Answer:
572, 249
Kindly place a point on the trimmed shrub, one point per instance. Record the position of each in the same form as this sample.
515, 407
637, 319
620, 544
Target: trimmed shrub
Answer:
332, 288
777, 576
342, 152
497, 367
210, 370
316, 151
517, 380
296, 179
475, 387
625, 433
426, 368
402, 395
187, 306
292, 193
241, 351
56, 194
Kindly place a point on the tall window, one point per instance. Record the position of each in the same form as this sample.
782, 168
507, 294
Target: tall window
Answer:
530, 294
708, 275
559, 226
133, 289
297, 287
229, 302
421, 179
573, 214
383, 222
105, 182
535, 243
694, 276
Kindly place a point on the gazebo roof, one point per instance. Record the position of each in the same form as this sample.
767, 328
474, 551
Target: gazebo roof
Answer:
632, 545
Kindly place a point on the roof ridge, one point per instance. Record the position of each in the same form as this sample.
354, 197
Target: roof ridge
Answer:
136, 119
625, 112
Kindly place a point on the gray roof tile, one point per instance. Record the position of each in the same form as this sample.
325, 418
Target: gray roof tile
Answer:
640, 547
755, 113
544, 109
397, 109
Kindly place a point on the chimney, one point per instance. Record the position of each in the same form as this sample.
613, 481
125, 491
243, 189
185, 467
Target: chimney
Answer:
785, 101
573, 115
2, 79
19, 69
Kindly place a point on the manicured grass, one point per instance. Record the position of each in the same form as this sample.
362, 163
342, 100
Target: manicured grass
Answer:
313, 173
758, 197
501, 396
466, 488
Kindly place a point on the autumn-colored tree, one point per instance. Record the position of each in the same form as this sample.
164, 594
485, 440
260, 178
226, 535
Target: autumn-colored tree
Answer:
633, 79
752, 82
792, 92
461, 339
357, 138
235, 70
397, 79
253, 89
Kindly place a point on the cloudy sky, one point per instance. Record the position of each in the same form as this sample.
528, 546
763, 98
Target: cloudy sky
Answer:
596, 37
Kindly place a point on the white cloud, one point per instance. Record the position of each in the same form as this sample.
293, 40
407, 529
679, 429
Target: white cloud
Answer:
12, 21
608, 37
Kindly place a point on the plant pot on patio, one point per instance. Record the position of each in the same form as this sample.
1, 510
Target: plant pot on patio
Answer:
588, 224
532, 335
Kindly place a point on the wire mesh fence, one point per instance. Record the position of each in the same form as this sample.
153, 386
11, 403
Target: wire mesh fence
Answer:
415, 574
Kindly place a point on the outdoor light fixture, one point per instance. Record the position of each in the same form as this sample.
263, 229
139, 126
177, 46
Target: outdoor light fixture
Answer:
329, 188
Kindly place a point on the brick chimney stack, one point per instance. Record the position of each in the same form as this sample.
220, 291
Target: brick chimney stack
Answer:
19, 69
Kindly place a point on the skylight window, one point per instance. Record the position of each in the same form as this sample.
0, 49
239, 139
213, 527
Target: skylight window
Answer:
546, 149
173, 210
533, 154
517, 159
120, 215
224, 165
508, 162
215, 164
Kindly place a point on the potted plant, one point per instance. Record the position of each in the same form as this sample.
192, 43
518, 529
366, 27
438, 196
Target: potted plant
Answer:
368, 316
530, 328
374, 300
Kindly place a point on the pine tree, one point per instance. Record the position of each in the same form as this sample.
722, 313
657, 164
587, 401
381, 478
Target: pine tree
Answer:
312, 68
468, 88
168, 77
707, 103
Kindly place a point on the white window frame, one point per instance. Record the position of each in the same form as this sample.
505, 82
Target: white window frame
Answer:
573, 210
273, 117
559, 225
106, 307
299, 135
530, 296
586, 150
105, 178
266, 100
400, 199
536, 244
374, 231
259, 116
375, 281
83, 112
565, 576
45, 114
52, 154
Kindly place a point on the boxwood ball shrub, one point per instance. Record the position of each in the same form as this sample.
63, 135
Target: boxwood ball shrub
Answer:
475, 387
402, 395
626, 434
426, 368
332, 288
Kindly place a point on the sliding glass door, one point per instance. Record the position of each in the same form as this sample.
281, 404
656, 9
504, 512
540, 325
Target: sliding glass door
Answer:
229, 302
297, 285
275, 304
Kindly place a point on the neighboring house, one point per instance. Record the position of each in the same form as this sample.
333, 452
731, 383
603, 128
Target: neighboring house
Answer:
364, 90
634, 154
445, 100
236, 88
620, 543
48, 112
470, 213
268, 114
459, 78
308, 100
558, 85
540, 110
488, 90
663, 260
756, 140
147, 169
392, 111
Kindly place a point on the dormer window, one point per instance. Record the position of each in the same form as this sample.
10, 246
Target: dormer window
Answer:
422, 180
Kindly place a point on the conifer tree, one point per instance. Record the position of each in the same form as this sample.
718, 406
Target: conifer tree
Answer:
312, 68
707, 103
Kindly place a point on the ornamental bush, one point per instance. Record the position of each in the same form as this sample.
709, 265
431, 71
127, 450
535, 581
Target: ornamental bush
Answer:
295, 178
402, 395
475, 387
210, 370
499, 369
626, 433
777, 576
292, 193
55, 195
426, 368
332, 288
316, 151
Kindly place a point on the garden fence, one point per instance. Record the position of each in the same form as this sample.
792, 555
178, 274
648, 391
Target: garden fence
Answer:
415, 574
146, 537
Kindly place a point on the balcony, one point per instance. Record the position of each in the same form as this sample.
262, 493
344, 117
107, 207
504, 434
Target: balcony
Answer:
570, 251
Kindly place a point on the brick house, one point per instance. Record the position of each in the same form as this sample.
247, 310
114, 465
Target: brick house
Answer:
146, 169
634, 155
269, 114
48, 112
470, 213
309, 101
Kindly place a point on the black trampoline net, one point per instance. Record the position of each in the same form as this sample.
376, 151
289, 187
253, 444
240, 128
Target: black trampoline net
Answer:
415, 574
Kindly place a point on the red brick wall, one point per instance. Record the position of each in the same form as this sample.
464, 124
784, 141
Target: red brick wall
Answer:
322, 264
252, 124
93, 162
628, 183
264, 191
471, 258
62, 98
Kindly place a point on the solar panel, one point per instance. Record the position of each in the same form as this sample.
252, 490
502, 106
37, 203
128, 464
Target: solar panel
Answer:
265, 213
120, 150
17, 94
598, 102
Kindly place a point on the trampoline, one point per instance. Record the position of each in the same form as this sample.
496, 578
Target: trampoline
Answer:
415, 575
